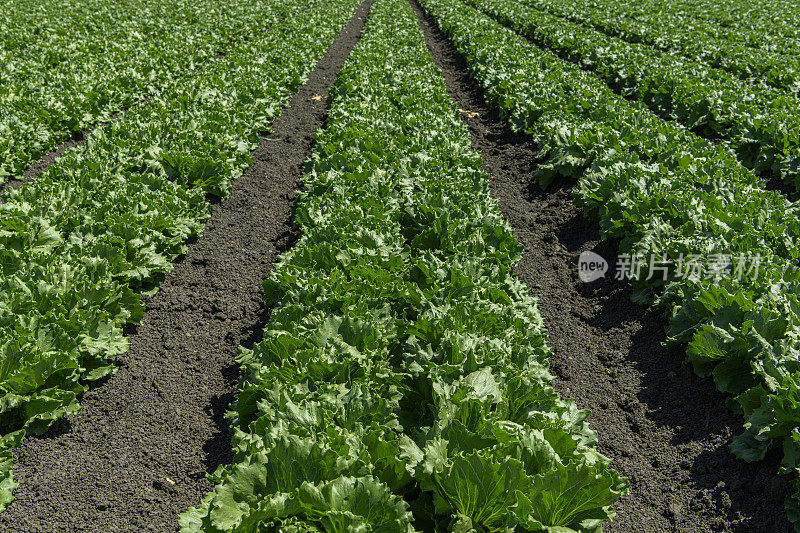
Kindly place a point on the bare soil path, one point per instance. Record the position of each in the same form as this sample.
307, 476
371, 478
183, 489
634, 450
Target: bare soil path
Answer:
138, 453
664, 427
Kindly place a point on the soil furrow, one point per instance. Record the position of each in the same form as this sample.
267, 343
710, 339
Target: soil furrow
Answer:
138, 453
664, 427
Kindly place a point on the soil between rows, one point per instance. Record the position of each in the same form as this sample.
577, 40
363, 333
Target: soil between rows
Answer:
138, 453
664, 427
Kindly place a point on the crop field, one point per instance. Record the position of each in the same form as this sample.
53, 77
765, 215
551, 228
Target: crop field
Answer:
352, 266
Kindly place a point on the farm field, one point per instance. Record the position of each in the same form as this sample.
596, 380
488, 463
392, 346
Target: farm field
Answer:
399, 265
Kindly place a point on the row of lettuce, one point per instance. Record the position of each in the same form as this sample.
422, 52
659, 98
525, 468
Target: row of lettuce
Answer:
67, 67
675, 28
682, 207
760, 124
103, 224
401, 383
769, 24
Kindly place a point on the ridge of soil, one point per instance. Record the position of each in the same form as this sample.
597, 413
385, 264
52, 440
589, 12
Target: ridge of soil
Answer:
665, 428
138, 453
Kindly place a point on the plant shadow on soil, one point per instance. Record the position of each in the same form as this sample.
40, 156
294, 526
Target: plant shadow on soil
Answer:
250, 335
664, 427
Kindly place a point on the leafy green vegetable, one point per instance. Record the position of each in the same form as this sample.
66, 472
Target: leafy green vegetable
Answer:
104, 223
667, 194
400, 347
745, 39
742, 52
759, 122
67, 67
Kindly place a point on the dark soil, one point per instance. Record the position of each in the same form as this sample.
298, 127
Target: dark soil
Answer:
138, 453
664, 427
